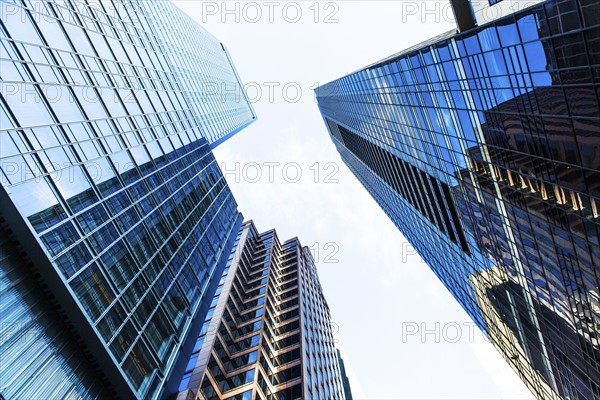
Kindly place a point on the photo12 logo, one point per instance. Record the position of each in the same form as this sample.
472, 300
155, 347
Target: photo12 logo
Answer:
437, 332
325, 252
274, 171
270, 11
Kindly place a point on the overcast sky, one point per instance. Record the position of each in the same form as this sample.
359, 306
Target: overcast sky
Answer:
286, 174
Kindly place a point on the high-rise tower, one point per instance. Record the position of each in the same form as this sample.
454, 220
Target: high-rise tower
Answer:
345, 380
268, 332
116, 220
483, 147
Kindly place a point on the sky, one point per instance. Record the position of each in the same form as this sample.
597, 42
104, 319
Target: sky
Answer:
401, 333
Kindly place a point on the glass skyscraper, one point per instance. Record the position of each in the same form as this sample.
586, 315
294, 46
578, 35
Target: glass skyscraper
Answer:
483, 147
345, 380
268, 331
116, 222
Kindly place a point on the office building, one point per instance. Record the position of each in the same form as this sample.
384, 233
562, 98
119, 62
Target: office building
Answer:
345, 380
268, 331
471, 13
483, 147
116, 220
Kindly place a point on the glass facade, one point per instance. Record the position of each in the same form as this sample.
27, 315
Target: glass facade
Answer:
36, 341
483, 148
486, 11
109, 112
345, 380
202, 67
267, 334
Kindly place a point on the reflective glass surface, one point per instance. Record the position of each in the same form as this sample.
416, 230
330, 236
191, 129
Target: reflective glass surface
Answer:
36, 341
109, 111
483, 148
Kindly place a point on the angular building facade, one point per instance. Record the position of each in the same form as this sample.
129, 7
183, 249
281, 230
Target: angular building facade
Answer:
116, 220
268, 332
483, 147
345, 380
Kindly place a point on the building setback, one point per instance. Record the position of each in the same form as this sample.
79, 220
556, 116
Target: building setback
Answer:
116, 220
345, 380
268, 332
483, 147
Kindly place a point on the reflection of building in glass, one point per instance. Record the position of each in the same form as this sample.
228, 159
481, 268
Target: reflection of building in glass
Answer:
116, 220
515, 334
268, 332
556, 278
137, 260
483, 149
529, 342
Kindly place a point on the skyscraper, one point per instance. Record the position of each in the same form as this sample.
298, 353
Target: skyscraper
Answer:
483, 147
116, 220
345, 380
268, 331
